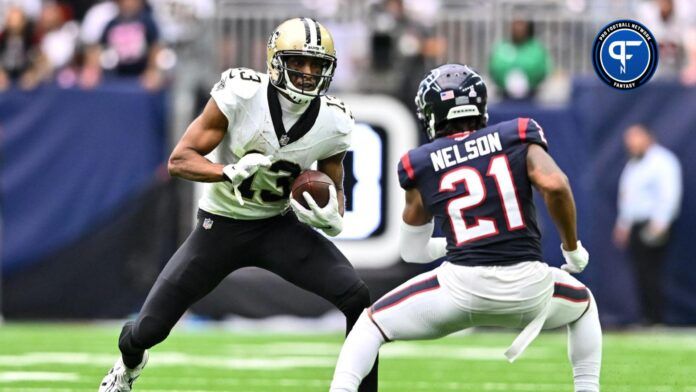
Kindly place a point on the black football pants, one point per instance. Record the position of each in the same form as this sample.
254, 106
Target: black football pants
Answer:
281, 244
648, 262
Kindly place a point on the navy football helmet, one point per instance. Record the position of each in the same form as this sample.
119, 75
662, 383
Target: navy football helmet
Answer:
447, 92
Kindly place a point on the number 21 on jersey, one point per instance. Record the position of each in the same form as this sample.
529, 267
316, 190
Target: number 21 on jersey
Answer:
472, 180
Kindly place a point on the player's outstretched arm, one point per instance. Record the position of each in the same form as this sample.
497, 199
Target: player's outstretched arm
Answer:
553, 185
415, 213
188, 159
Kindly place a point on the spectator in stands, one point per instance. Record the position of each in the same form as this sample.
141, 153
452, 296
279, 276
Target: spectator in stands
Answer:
401, 46
673, 23
58, 38
519, 65
189, 35
128, 46
18, 50
95, 21
31, 8
650, 191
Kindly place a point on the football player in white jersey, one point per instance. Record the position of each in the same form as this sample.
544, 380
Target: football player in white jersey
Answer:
261, 130
477, 179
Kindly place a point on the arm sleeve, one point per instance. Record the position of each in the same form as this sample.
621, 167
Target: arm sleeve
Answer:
669, 191
417, 246
407, 175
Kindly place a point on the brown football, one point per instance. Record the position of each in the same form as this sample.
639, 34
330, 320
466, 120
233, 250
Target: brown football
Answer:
315, 183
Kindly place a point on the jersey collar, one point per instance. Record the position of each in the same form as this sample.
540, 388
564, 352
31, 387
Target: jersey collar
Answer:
300, 128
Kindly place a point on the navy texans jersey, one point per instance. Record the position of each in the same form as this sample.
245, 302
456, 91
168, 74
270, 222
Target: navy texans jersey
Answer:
477, 184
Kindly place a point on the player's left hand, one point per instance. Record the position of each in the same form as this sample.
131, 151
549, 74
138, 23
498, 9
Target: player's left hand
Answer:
576, 260
328, 218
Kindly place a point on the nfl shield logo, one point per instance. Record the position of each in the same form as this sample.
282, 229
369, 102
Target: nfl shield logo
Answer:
284, 140
207, 223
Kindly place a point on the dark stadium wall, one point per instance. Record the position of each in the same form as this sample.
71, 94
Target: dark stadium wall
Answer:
603, 114
107, 272
82, 191
70, 157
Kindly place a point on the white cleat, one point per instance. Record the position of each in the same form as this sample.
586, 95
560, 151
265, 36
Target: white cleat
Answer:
120, 378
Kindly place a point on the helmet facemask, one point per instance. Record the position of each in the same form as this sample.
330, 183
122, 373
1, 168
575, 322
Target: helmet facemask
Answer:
427, 120
306, 38
283, 75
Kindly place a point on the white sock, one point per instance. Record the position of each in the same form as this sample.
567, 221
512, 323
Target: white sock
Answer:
585, 349
357, 355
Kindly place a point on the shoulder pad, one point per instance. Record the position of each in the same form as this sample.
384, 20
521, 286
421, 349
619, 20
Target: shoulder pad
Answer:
529, 131
521, 131
341, 113
242, 82
406, 171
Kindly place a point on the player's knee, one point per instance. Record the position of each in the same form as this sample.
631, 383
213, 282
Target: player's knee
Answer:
149, 331
364, 321
355, 300
592, 306
365, 327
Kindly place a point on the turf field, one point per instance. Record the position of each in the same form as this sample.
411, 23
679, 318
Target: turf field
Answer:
66, 357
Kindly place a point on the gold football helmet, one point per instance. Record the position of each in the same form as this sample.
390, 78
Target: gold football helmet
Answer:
300, 37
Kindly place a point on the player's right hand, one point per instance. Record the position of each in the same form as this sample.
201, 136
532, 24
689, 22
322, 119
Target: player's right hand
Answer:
576, 260
236, 173
327, 218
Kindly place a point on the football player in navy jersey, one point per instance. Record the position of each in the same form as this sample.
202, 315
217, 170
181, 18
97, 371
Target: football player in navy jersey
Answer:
477, 180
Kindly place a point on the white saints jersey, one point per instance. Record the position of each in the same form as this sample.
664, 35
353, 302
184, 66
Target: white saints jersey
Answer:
251, 105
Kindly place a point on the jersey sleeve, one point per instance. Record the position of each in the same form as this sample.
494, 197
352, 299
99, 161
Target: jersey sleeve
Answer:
529, 131
226, 100
407, 176
343, 124
340, 143
236, 86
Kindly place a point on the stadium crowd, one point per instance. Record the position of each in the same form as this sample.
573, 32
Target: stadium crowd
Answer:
81, 42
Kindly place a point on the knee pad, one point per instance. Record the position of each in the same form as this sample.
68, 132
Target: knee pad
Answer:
148, 332
125, 339
354, 301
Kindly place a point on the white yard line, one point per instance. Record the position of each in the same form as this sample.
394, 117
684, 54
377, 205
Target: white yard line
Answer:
397, 385
273, 356
37, 376
171, 359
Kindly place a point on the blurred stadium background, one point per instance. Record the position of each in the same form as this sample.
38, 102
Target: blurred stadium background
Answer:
89, 214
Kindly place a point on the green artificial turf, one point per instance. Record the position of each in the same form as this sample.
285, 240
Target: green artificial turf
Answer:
74, 357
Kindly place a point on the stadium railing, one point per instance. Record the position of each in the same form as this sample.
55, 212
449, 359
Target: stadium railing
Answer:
469, 27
